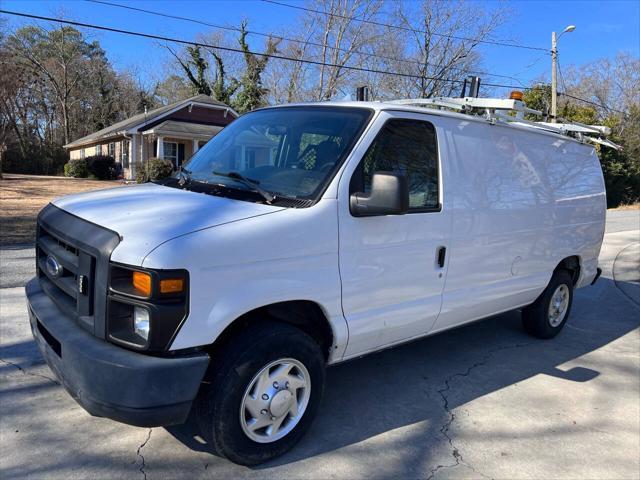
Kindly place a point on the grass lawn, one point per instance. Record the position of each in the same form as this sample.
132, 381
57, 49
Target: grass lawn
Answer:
23, 196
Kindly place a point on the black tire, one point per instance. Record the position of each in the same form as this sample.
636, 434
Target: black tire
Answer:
535, 317
218, 404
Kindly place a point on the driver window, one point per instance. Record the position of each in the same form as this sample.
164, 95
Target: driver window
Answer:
408, 147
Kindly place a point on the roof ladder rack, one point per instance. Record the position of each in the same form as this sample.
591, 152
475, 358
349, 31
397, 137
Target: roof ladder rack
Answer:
502, 110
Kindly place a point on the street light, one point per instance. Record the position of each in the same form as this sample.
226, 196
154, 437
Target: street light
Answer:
554, 70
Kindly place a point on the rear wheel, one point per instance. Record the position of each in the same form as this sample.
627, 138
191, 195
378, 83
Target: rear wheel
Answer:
264, 394
548, 314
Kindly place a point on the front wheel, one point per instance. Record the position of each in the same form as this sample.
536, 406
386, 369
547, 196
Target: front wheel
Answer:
264, 395
545, 317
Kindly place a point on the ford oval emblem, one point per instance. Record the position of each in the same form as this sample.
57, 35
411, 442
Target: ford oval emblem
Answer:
53, 266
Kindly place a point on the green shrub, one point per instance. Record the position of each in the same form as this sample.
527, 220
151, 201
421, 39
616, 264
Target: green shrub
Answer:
102, 166
153, 169
141, 173
77, 168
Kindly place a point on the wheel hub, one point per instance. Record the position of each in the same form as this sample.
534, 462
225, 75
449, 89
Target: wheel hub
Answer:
558, 305
281, 403
275, 400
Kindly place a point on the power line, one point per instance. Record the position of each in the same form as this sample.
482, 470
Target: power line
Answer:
304, 42
407, 29
564, 85
595, 104
278, 57
237, 50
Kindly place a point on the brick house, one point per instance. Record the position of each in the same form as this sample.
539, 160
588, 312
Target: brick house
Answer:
174, 132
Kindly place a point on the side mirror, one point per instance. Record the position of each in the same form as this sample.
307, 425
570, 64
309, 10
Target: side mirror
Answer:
389, 196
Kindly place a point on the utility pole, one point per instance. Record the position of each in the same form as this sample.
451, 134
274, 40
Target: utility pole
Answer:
554, 77
554, 71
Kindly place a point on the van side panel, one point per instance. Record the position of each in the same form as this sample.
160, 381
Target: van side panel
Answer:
522, 201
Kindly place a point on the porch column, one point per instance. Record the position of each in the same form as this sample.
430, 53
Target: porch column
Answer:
133, 156
160, 147
196, 145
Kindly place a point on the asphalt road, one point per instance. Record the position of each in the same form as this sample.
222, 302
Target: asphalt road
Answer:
482, 401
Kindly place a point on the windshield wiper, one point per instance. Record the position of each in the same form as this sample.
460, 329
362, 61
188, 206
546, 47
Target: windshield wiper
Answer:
249, 183
185, 176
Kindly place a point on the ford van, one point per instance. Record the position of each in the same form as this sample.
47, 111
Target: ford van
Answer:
299, 237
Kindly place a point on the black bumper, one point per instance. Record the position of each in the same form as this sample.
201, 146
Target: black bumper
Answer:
107, 380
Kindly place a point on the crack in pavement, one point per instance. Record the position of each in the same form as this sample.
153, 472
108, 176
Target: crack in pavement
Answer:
444, 430
142, 456
25, 372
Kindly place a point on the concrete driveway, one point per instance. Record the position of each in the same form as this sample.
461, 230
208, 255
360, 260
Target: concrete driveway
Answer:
483, 401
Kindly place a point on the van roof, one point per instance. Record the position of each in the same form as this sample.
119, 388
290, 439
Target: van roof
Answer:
425, 110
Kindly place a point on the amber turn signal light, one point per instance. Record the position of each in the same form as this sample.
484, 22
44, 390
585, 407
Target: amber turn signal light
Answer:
142, 283
172, 285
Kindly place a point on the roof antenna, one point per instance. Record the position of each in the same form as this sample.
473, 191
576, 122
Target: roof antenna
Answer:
474, 87
362, 93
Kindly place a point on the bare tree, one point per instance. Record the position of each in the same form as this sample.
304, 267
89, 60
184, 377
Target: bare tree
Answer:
171, 89
612, 82
423, 45
443, 42
340, 32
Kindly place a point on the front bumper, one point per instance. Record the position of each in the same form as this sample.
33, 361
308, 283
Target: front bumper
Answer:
107, 380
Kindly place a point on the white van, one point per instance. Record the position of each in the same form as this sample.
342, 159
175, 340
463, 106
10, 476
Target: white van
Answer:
299, 237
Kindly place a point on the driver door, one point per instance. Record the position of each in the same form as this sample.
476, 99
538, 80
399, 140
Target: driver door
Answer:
393, 267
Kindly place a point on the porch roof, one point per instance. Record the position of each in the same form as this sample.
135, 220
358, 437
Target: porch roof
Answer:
131, 124
172, 128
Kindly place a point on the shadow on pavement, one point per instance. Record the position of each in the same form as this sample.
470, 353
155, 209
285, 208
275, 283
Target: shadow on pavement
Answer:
422, 382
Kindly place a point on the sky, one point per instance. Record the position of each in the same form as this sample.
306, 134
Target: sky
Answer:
603, 29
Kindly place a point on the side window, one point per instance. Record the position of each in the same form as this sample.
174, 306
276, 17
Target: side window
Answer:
408, 147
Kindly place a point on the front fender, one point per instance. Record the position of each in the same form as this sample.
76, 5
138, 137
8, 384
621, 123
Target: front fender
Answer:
248, 287
238, 267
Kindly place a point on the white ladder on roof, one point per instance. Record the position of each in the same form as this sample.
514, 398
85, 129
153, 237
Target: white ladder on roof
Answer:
499, 109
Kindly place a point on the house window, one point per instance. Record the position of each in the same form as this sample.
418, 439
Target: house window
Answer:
171, 152
112, 150
82, 153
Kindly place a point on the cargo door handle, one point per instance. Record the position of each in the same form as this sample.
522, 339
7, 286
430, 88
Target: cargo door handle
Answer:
442, 252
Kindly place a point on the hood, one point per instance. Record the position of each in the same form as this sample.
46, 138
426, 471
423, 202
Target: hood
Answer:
147, 215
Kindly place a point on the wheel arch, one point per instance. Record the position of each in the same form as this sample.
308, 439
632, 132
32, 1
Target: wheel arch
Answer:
306, 315
572, 264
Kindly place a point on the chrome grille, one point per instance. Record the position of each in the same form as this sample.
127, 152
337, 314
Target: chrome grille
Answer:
63, 287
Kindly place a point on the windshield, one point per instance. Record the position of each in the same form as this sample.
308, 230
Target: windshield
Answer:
287, 152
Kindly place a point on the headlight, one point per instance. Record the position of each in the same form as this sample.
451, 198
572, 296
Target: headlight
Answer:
141, 322
146, 307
